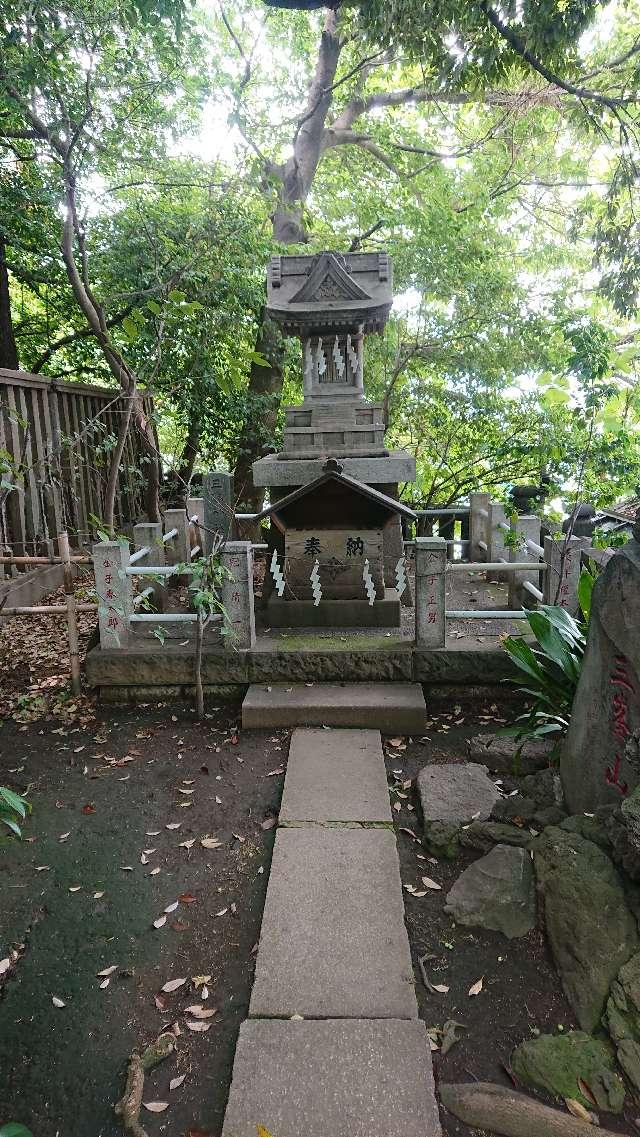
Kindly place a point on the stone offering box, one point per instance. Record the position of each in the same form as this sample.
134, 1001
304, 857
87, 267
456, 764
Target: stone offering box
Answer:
334, 563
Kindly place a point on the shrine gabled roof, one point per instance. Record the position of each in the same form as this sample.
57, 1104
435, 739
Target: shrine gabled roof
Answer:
335, 474
311, 293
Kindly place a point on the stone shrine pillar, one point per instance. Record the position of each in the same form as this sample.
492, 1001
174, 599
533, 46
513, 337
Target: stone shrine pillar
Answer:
431, 567
115, 594
600, 762
217, 493
237, 594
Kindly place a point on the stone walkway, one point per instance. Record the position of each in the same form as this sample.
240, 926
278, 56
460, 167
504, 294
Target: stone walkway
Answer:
333, 1046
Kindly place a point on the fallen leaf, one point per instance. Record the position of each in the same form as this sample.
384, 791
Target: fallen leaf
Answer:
210, 843
239, 837
197, 1025
429, 883
98, 895
127, 868
5, 964
262, 1132
58, 1002
269, 822
476, 988
144, 860
272, 773
63, 836
156, 1106
186, 898
173, 825
172, 985
171, 907
578, 1110
160, 1003
440, 987
106, 971
160, 922
152, 832
204, 994
182, 791
89, 808
198, 1012
75, 888
200, 980
222, 912
397, 806
42, 868
105, 983
395, 742
175, 1082
187, 844
154, 872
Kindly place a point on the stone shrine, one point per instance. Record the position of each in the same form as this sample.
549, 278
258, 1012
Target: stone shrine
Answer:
331, 301
600, 763
333, 530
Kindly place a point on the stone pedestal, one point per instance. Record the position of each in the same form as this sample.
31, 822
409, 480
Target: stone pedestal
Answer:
601, 758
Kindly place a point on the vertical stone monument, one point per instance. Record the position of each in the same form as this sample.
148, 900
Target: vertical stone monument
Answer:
331, 301
600, 763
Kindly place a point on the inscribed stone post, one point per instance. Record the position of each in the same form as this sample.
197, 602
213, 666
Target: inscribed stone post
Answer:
149, 535
527, 529
563, 571
237, 593
498, 550
178, 549
431, 563
115, 595
479, 527
217, 492
600, 762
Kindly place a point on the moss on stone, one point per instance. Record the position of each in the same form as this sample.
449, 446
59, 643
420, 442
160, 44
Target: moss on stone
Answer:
558, 1063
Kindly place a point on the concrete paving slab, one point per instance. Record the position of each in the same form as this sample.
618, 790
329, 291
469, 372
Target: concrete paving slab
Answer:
335, 775
393, 708
333, 1079
333, 941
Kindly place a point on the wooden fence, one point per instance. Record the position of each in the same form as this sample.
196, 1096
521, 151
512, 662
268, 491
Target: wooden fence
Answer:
57, 438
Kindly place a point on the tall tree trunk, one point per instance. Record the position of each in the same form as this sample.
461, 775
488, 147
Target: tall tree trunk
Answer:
296, 178
8, 348
263, 401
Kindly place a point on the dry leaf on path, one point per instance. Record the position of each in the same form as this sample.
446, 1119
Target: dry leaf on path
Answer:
187, 844
156, 1106
98, 895
160, 922
173, 825
578, 1110
175, 1082
106, 971
187, 898
105, 983
172, 985
210, 843
197, 1025
5, 964
57, 1002
440, 987
476, 988
429, 883
171, 907
198, 1012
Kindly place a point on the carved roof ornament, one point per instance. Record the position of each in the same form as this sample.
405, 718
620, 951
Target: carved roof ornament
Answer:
330, 292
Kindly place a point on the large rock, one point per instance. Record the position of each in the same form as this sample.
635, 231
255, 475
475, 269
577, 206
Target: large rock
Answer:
452, 796
558, 1063
600, 762
503, 755
622, 1018
496, 892
483, 835
591, 930
539, 801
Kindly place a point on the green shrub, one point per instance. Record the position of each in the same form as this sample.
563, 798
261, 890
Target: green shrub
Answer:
13, 809
14, 1129
551, 665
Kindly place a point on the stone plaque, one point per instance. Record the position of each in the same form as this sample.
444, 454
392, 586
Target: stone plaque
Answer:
217, 492
600, 763
341, 554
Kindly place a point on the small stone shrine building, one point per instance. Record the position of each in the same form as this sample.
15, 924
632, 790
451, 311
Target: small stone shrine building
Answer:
331, 301
334, 557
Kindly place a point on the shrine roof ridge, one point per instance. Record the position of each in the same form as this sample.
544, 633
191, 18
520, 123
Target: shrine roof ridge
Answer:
335, 474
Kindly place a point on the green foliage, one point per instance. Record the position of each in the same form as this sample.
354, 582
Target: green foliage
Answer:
14, 1129
13, 810
550, 666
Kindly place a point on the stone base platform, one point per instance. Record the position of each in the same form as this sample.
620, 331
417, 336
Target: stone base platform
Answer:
333, 1078
281, 613
393, 708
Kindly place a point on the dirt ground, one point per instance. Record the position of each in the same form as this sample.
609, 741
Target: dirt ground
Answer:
520, 994
150, 779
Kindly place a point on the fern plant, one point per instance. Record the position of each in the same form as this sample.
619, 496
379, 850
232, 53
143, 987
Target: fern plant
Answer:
551, 665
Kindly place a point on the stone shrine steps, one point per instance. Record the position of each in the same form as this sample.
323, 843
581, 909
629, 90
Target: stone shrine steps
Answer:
393, 708
333, 1046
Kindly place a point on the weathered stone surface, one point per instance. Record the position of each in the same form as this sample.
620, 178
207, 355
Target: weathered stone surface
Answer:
341, 1078
335, 775
397, 467
333, 940
539, 801
557, 1062
601, 757
484, 835
456, 793
162, 666
459, 665
332, 613
622, 1018
500, 754
496, 892
389, 707
591, 930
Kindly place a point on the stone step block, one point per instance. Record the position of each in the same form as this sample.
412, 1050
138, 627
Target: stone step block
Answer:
341, 1078
333, 942
335, 775
393, 708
